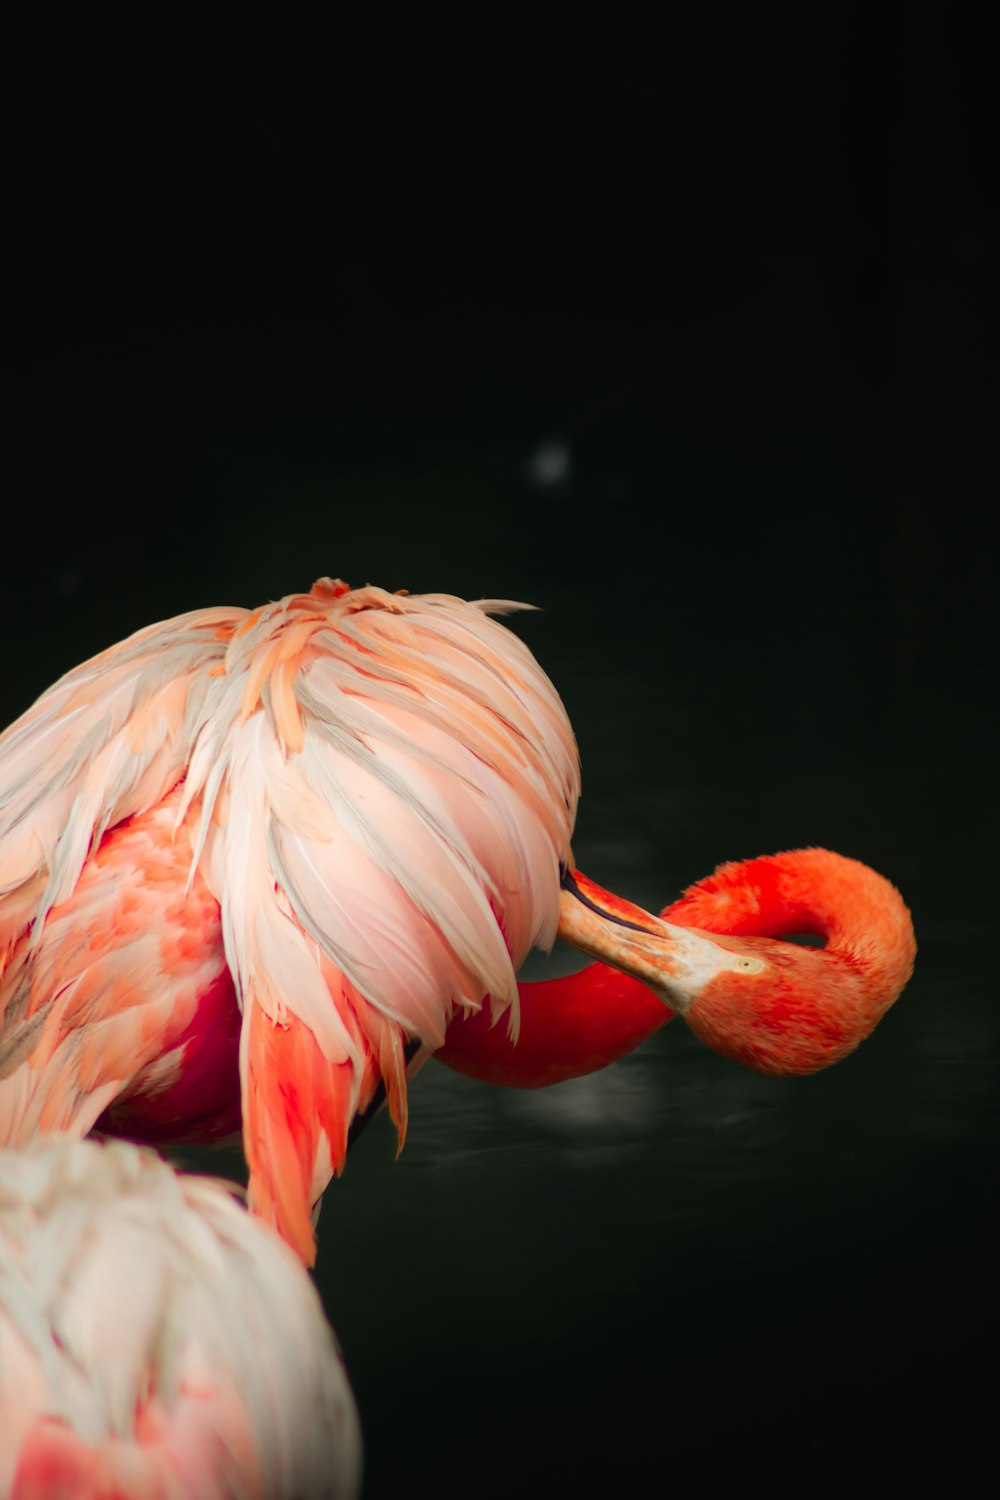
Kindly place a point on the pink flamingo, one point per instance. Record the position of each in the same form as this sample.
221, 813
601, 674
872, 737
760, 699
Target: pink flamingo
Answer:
157, 1341
307, 837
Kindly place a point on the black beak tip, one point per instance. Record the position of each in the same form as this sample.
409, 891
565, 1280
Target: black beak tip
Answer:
567, 881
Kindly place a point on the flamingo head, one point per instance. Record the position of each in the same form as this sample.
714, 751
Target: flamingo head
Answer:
782, 1009
773, 1005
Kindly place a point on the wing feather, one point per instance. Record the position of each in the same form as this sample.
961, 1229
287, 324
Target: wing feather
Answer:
98, 1005
386, 791
108, 740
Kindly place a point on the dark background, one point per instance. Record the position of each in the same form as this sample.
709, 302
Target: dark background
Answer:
680, 324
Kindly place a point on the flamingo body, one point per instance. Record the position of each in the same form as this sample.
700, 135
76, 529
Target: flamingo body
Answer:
135, 1308
355, 803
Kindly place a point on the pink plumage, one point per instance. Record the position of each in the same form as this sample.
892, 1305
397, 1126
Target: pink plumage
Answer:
355, 803
134, 1310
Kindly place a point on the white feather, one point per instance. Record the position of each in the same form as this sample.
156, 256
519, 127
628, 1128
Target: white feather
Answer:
124, 1287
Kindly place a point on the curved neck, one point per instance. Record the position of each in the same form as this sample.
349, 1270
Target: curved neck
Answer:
576, 1025
569, 1027
816, 1007
807, 891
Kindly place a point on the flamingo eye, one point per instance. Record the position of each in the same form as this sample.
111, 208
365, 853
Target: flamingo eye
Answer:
750, 965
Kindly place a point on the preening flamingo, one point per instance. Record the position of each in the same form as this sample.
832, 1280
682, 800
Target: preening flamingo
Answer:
348, 810
157, 1341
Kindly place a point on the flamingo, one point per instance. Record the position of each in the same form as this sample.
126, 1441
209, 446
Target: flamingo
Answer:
253, 864
135, 1307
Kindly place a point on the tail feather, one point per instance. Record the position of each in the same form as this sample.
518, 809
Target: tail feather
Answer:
297, 1108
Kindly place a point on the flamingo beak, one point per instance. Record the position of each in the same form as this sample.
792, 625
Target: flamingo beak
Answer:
674, 962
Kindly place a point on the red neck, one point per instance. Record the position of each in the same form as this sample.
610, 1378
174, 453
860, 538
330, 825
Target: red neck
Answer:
815, 1007
581, 1023
568, 1027
815, 891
